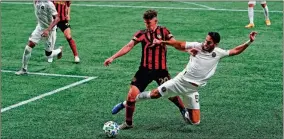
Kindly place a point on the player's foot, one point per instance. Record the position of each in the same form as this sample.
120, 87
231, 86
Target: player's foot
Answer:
21, 72
267, 22
117, 108
250, 25
59, 55
76, 59
124, 126
186, 117
49, 59
183, 111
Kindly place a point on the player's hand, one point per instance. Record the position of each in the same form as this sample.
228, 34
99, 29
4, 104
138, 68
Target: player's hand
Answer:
108, 61
45, 33
252, 36
192, 51
156, 41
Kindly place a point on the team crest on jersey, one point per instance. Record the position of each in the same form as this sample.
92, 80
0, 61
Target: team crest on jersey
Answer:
42, 7
164, 89
213, 54
159, 36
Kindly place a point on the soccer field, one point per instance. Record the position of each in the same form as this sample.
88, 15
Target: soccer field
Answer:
243, 100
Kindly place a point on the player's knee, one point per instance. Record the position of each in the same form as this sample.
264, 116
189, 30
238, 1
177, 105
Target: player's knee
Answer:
132, 94
194, 115
48, 53
31, 44
251, 5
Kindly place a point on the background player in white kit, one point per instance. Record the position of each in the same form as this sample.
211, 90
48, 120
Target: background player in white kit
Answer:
200, 68
47, 19
251, 5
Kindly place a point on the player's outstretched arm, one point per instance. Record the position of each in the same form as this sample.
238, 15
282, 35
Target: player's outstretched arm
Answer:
180, 45
239, 49
124, 50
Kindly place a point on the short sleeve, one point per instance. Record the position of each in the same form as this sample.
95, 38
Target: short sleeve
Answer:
68, 3
189, 45
168, 34
138, 36
52, 8
222, 52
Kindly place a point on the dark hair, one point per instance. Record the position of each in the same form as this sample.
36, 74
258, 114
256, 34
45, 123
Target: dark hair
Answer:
215, 36
150, 14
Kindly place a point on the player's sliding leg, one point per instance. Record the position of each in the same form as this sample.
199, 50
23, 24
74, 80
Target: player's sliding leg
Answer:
49, 47
192, 115
72, 44
178, 102
251, 5
26, 58
266, 13
130, 107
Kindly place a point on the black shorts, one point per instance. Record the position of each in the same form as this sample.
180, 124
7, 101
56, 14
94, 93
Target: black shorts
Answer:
145, 76
63, 25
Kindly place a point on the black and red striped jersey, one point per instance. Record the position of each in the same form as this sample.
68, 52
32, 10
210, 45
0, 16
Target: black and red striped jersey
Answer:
61, 8
153, 57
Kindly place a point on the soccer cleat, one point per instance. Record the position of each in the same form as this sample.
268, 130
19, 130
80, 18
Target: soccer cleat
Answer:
21, 72
59, 55
183, 111
250, 25
117, 108
76, 59
267, 22
186, 117
124, 126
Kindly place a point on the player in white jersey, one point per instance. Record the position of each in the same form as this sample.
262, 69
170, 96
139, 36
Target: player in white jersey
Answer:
47, 18
199, 69
251, 5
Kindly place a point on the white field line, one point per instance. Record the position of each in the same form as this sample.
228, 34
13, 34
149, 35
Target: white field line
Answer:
201, 5
48, 74
152, 7
46, 94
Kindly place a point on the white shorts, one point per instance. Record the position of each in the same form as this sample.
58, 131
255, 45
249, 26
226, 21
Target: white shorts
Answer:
49, 41
254, 2
178, 86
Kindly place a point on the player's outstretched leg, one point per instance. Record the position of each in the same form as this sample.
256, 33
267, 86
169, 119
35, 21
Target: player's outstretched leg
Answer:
118, 107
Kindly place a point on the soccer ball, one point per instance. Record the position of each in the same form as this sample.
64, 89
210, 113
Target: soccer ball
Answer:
111, 129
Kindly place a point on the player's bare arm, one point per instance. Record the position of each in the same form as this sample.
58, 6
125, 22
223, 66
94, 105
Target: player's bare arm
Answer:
124, 50
239, 49
180, 45
53, 23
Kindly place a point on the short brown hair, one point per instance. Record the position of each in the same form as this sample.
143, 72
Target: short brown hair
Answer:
150, 14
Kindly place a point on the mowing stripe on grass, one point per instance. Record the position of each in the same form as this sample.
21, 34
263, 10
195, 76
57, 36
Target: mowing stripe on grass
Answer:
152, 7
49, 74
201, 5
46, 94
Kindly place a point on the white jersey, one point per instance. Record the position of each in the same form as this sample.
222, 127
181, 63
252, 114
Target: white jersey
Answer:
44, 11
203, 65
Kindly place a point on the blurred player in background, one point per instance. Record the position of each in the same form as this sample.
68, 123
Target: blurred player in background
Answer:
63, 8
251, 5
47, 19
198, 71
153, 65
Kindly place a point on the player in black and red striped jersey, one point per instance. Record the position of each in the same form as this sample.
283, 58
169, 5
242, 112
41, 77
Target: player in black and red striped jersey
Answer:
63, 8
153, 65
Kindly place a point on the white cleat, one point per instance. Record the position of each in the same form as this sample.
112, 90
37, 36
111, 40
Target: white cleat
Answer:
76, 59
21, 72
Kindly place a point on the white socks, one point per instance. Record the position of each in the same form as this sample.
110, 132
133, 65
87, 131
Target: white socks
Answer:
144, 95
250, 14
26, 56
55, 52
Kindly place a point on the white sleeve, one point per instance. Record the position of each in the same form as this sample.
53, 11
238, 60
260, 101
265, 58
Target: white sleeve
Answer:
223, 52
189, 45
52, 8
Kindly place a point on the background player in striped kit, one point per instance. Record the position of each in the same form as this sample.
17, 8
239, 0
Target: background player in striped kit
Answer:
153, 65
47, 19
64, 8
198, 71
